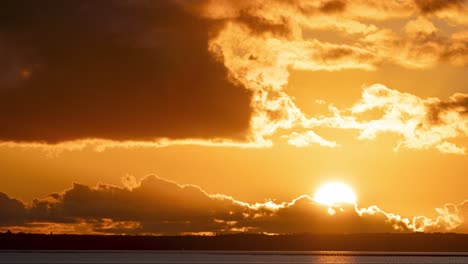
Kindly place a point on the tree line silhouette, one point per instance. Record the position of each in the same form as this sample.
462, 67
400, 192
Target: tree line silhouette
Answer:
420, 242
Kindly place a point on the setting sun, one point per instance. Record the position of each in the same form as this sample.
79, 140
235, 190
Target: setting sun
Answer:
335, 193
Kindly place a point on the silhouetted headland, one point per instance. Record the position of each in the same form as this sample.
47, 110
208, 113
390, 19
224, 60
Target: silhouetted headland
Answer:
420, 242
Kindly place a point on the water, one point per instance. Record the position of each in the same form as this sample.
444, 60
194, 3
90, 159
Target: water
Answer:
39, 256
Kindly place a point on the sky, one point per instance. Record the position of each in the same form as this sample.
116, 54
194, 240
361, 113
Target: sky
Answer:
222, 116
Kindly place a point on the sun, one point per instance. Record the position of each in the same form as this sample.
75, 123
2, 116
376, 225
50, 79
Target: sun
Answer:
335, 193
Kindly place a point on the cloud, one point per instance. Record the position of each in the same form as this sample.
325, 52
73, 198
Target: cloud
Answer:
260, 59
451, 217
13, 212
122, 71
154, 74
374, 47
154, 205
99, 145
421, 123
458, 103
418, 26
307, 138
261, 63
454, 11
333, 6
413, 117
130, 79
432, 6
421, 46
447, 147
305, 215
275, 10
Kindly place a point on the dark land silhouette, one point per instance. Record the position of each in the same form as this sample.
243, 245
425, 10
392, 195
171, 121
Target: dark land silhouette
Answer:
415, 242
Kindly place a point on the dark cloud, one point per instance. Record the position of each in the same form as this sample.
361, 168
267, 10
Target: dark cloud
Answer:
458, 103
457, 53
12, 211
433, 6
123, 70
333, 6
259, 25
158, 206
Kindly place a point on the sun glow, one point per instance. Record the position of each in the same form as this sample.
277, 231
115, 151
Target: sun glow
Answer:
335, 193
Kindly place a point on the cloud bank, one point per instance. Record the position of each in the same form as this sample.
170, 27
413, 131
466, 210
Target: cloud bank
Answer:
118, 70
154, 205
206, 72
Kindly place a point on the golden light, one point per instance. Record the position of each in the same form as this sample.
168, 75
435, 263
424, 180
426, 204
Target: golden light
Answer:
335, 193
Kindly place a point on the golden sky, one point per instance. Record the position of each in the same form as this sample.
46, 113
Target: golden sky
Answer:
172, 117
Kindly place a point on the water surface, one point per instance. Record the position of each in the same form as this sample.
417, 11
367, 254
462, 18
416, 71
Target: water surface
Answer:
118, 256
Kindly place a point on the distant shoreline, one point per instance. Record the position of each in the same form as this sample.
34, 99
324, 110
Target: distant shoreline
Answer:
371, 244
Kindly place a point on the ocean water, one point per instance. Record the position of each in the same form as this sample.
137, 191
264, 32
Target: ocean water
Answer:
118, 256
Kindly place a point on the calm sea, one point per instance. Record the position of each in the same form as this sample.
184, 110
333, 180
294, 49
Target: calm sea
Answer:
39, 256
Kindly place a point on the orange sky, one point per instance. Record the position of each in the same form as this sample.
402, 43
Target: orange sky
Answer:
256, 101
